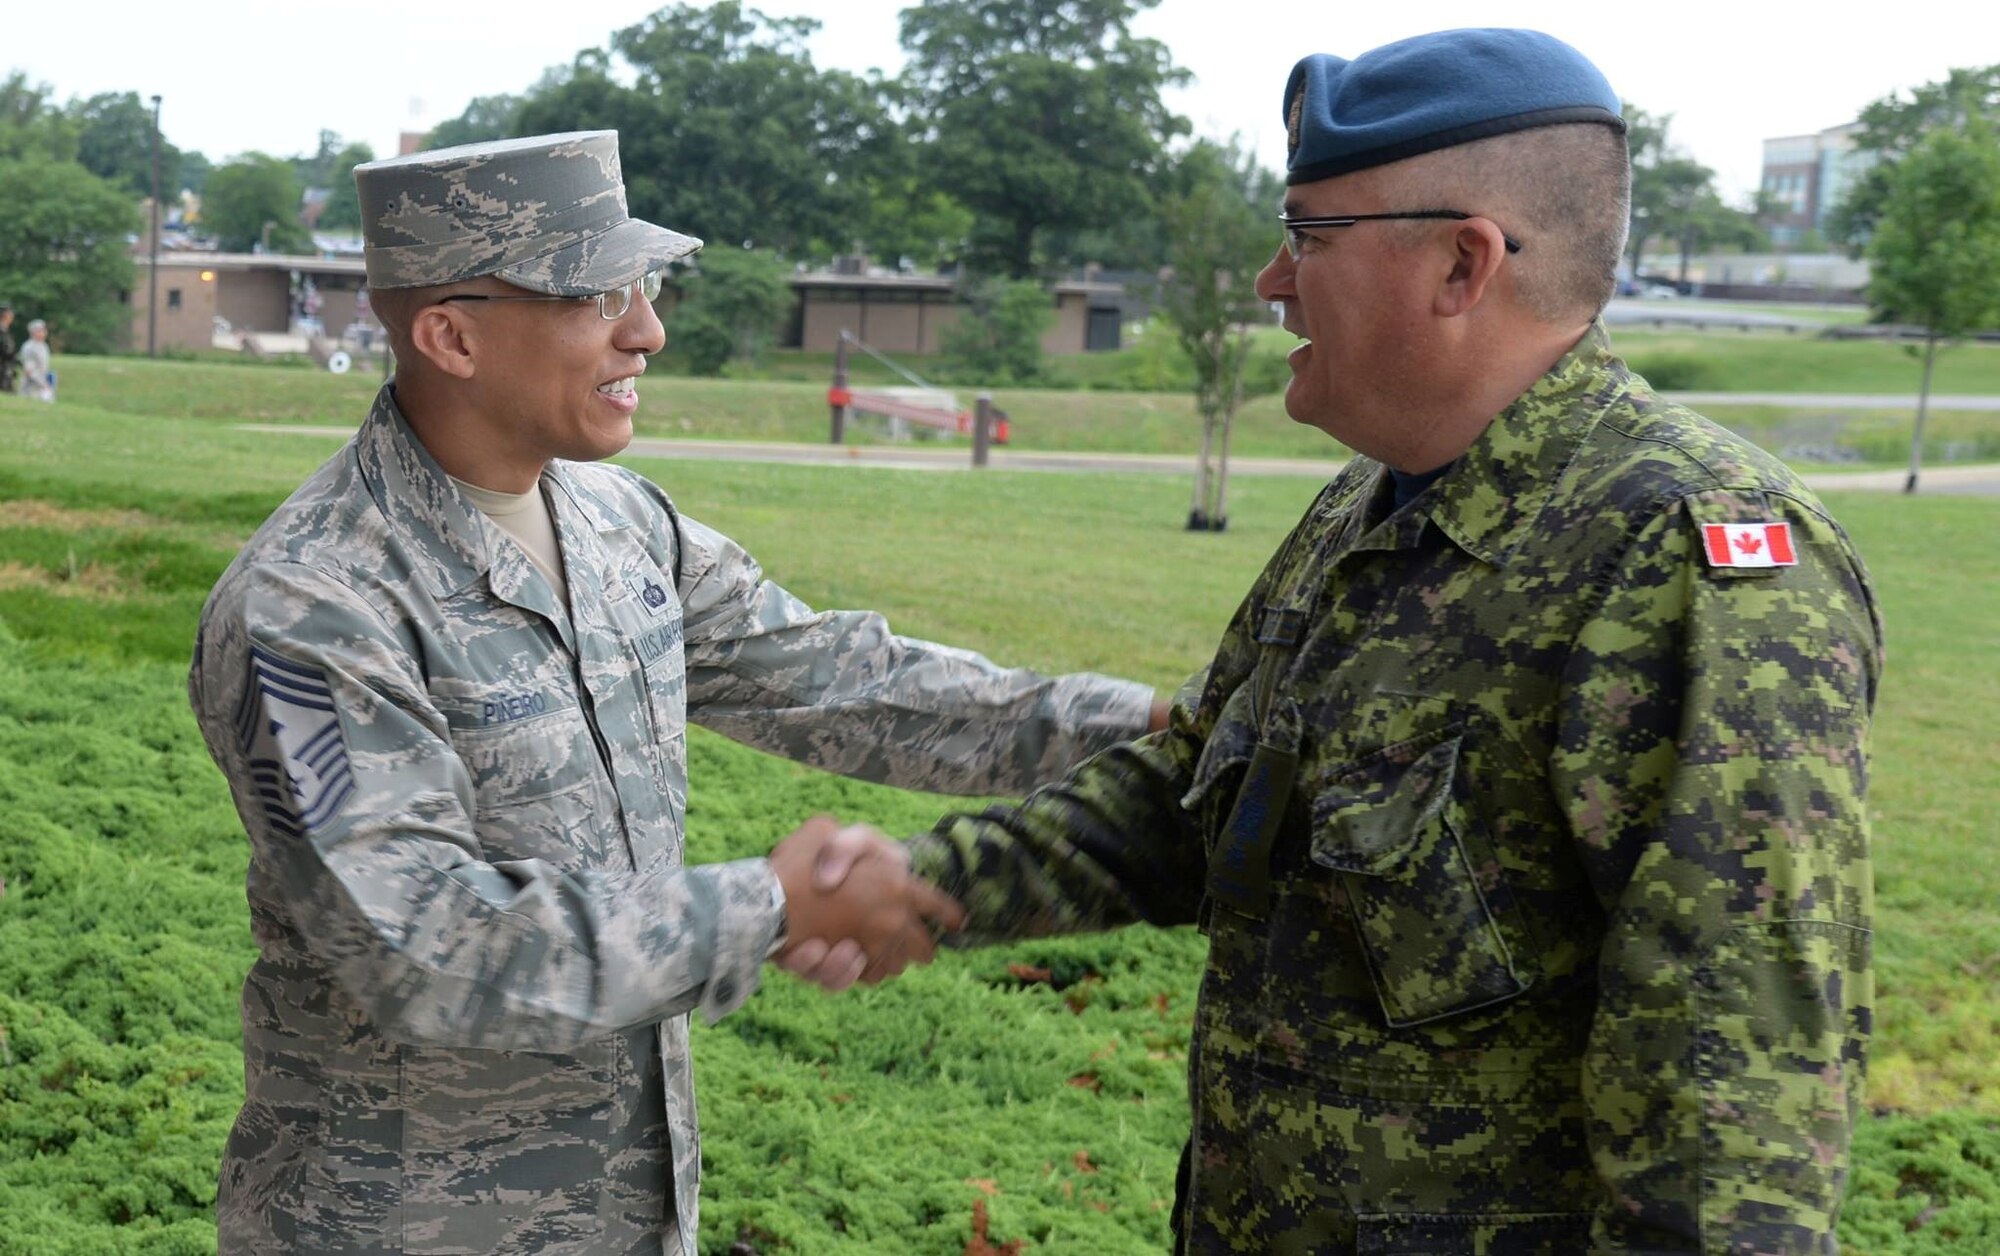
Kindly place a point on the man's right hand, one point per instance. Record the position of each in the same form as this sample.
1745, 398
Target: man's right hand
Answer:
869, 922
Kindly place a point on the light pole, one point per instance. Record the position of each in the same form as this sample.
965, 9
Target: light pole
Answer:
153, 248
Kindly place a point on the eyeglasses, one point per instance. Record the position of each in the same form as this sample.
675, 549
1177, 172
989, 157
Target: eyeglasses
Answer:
1295, 228
611, 306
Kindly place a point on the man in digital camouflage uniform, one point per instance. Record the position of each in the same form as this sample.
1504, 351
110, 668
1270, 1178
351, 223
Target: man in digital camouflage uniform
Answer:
449, 681
1522, 801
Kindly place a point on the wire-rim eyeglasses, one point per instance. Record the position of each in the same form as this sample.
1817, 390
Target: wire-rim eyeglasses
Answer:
611, 305
1295, 228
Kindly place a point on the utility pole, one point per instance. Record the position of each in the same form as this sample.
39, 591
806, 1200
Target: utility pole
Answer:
153, 248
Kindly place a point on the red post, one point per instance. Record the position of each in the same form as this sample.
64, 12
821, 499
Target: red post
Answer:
982, 429
838, 397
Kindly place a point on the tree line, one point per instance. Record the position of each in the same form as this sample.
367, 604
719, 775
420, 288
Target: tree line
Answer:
1021, 140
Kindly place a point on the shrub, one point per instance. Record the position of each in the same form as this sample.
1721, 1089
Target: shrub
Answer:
1675, 372
999, 339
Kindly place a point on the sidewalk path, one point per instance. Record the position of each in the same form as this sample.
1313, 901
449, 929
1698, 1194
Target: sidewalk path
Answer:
1980, 479
1836, 401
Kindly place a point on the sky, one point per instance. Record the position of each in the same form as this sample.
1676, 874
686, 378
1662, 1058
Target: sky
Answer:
268, 75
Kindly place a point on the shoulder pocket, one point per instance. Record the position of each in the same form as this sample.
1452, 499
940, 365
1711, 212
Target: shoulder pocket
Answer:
1419, 874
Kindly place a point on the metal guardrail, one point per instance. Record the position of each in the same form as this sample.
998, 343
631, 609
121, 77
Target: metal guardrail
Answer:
987, 423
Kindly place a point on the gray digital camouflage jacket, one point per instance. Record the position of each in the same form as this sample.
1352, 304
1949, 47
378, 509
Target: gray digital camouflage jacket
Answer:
466, 1028
1526, 822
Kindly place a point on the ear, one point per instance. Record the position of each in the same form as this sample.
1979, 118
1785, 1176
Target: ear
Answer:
1478, 251
445, 338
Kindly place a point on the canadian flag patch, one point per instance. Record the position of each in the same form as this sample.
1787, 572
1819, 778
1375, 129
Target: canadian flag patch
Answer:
1749, 544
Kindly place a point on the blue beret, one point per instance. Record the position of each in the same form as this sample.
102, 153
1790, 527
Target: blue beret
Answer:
1434, 91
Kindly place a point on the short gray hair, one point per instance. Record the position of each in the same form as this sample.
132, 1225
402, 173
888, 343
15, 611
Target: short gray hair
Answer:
1565, 192
37, 325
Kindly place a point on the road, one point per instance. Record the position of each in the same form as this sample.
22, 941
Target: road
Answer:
1977, 479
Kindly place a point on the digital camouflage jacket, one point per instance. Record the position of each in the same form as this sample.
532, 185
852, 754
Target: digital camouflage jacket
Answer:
1528, 833
466, 1029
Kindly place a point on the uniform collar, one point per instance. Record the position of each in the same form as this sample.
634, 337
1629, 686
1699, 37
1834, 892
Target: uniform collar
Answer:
446, 532
599, 513
449, 538
1489, 502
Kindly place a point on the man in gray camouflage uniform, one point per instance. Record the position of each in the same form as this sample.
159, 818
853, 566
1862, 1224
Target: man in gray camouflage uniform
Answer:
448, 682
1522, 802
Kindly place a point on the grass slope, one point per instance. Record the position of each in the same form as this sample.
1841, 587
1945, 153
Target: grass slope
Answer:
1043, 1081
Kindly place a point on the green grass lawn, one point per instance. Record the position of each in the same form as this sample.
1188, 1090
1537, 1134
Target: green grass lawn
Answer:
1097, 420
870, 1122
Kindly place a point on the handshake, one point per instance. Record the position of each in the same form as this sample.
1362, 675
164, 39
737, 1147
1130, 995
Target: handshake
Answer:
853, 912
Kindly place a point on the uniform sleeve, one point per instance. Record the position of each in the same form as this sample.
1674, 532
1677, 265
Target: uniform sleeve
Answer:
839, 691
359, 813
1108, 845
1712, 765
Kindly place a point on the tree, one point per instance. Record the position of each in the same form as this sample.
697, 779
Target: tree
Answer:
63, 252
30, 123
907, 220
1040, 116
195, 169
1673, 195
114, 133
1892, 127
254, 200
485, 118
1706, 223
332, 169
728, 131
742, 294
998, 339
1220, 236
1934, 254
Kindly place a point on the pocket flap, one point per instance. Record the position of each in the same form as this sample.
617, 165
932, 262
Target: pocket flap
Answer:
1230, 745
1367, 814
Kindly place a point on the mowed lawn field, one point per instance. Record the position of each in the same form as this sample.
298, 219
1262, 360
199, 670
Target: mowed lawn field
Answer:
1151, 409
1039, 1084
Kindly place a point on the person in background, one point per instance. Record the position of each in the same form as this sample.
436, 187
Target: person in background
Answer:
449, 683
38, 377
9, 362
1523, 801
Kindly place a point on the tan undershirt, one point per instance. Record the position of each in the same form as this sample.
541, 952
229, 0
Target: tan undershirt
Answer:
526, 518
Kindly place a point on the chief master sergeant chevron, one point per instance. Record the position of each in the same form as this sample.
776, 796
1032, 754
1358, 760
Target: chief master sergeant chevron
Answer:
1523, 800
448, 683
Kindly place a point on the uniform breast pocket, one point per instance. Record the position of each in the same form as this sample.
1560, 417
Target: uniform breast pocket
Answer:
648, 616
1431, 907
540, 791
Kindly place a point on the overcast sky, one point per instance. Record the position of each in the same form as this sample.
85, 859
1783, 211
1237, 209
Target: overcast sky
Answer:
238, 75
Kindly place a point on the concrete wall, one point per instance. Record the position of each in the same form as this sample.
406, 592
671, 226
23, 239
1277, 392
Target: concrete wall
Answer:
251, 295
1831, 272
914, 321
186, 327
1072, 316
901, 326
255, 300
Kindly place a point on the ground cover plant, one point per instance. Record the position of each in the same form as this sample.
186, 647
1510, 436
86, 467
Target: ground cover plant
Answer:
1028, 1094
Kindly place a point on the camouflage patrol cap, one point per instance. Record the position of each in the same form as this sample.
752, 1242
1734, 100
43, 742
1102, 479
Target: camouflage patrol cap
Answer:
544, 212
